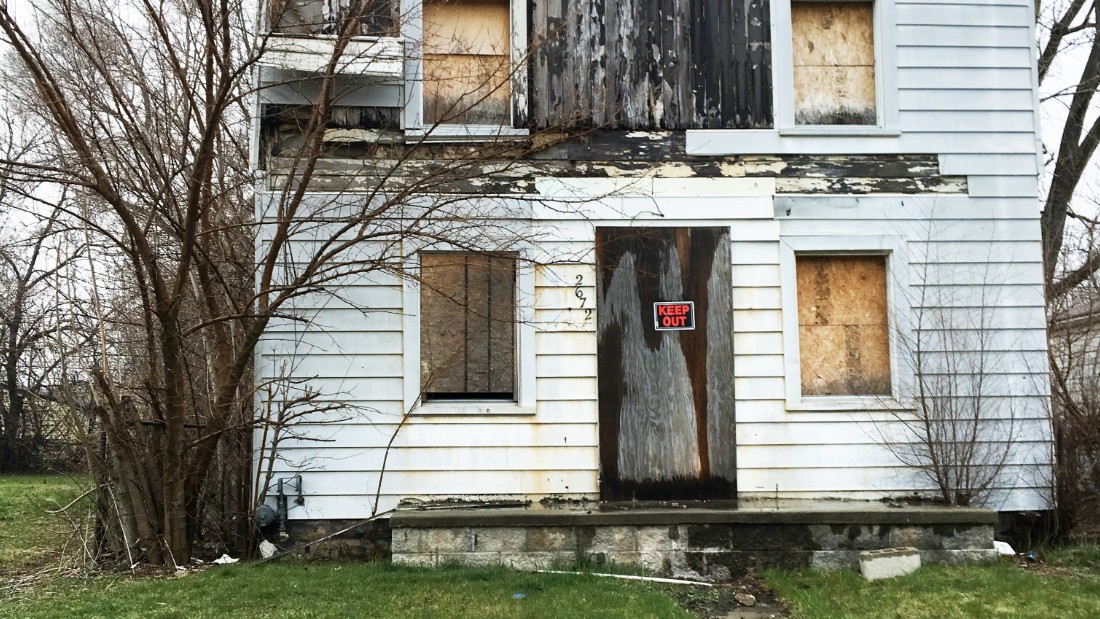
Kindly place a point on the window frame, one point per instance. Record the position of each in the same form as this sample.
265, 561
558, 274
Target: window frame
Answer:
886, 71
897, 309
524, 348
412, 30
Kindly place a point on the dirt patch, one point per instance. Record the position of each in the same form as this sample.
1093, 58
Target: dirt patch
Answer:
720, 601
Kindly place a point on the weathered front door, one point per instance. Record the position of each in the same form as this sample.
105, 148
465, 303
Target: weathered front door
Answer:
666, 396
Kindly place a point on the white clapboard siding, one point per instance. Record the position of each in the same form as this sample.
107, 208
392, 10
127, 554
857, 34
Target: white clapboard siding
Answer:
814, 433
868, 455
470, 434
757, 366
349, 459
965, 94
890, 481
336, 319
444, 483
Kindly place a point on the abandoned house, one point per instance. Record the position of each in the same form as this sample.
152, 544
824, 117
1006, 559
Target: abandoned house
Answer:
680, 283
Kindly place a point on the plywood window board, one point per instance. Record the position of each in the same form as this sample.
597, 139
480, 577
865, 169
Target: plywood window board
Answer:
843, 326
467, 326
833, 47
467, 67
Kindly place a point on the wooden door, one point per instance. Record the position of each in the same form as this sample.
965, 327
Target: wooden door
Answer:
665, 396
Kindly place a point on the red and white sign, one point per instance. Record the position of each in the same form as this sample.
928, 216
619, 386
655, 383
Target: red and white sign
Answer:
674, 315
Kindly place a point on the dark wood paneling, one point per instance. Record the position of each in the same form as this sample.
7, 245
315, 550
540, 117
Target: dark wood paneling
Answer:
666, 397
651, 64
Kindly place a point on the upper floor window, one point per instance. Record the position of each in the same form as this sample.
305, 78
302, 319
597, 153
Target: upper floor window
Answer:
467, 64
833, 53
313, 17
835, 67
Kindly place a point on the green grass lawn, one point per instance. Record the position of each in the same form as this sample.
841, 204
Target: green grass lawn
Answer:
1066, 586
375, 590
29, 535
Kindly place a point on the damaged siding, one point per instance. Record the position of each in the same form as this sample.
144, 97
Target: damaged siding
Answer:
651, 64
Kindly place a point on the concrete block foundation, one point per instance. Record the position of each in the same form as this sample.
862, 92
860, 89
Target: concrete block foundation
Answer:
698, 543
888, 563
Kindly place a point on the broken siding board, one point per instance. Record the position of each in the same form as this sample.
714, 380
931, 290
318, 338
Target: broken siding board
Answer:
853, 185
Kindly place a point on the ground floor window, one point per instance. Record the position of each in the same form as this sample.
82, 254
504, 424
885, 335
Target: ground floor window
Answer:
843, 325
468, 326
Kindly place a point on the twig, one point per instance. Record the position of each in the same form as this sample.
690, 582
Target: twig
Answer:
73, 502
671, 581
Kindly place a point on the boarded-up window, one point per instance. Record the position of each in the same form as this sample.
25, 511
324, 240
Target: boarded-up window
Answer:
310, 17
467, 326
834, 63
843, 330
466, 62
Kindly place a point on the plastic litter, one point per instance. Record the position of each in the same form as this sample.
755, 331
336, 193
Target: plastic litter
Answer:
224, 560
518, 596
1003, 549
267, 549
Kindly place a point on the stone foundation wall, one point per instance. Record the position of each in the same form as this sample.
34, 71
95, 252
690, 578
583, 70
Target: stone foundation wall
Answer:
709, 551
369, 541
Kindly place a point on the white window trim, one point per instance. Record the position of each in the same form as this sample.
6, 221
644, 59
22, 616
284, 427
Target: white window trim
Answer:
886, 75
412, 30
524, 403
897, 307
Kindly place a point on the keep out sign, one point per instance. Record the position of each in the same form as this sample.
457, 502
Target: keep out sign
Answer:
674, 315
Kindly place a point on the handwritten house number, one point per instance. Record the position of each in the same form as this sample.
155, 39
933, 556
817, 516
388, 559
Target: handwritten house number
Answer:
580, 295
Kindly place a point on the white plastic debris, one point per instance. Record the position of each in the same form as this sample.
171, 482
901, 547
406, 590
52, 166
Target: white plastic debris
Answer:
1003, 549
267, 549
224, 560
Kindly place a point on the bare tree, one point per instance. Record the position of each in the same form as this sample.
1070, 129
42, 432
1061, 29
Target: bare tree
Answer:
1068, 27
148, 108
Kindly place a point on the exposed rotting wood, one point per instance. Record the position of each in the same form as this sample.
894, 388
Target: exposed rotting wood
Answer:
467, 60
471, 170
843, 329
833, 48
651, 64
666, 398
